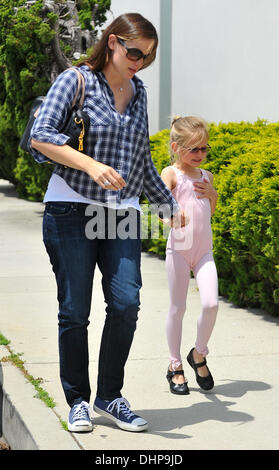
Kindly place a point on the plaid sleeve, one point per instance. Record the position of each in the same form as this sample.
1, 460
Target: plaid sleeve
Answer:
53, 113
155, 189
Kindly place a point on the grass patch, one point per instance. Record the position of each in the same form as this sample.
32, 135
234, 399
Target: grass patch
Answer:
15, 359
3, 340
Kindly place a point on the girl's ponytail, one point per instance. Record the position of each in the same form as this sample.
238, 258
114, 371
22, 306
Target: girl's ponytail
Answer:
174, 119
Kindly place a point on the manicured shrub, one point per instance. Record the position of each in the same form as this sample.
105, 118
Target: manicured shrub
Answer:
33, 50
32, 178
246, 227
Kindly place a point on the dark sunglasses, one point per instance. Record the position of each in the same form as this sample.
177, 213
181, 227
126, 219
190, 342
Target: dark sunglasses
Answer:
132, 53
205, 149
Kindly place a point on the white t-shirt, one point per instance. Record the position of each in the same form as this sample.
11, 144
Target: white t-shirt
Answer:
59, 190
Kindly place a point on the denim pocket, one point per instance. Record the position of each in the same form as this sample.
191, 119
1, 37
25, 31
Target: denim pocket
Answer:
59, 208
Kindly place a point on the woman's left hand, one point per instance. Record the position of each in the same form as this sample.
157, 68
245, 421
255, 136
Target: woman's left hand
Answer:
179, 220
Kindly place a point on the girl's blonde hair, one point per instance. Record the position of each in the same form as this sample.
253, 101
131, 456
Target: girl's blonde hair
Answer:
188, 130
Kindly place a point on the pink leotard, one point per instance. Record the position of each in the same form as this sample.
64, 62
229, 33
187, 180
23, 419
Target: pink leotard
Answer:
195, 240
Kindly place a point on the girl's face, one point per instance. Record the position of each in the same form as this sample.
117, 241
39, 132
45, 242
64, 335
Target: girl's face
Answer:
126, 58
192, 154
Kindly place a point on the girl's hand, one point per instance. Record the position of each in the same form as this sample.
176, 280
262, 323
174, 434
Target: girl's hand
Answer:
205, 189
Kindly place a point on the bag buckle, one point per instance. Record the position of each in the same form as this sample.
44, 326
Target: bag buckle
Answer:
81, 135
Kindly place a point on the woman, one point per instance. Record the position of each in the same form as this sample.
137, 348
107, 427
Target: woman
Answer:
115, 167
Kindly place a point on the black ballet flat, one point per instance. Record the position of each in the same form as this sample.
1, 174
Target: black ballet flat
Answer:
177, 389
206, 383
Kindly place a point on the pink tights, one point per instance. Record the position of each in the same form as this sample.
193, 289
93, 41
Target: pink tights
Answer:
205, 273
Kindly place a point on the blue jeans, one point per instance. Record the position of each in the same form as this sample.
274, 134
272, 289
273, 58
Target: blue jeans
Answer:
73, 256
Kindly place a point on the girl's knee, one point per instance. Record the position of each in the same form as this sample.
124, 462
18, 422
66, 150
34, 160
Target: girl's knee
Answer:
177, 310
211, 308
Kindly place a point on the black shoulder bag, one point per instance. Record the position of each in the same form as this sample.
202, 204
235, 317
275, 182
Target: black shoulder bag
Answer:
77, 122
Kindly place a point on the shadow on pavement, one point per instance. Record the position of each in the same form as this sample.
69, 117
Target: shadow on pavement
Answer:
163, 421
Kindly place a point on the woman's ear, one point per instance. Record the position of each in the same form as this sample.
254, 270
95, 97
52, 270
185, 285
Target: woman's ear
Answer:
112, 40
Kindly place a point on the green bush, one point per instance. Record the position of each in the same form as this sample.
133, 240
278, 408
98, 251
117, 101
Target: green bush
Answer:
27, 61
31, 178
246, 227
245, 163
23, 61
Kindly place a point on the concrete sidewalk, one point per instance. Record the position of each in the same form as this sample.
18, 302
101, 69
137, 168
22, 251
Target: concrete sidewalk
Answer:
241, 412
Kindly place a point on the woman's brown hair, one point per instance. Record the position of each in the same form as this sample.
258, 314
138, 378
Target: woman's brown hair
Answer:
127, 27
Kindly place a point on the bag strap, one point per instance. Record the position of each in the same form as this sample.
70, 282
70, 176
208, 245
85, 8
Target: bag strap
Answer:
81, 83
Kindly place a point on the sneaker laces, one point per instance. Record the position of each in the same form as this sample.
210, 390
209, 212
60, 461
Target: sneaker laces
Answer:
81, 411
121, 405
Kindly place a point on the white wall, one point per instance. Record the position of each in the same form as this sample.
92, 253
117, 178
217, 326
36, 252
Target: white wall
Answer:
228, 70
224, 58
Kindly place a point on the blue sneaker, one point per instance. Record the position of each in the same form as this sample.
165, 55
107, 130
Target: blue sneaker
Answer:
79, 418
118, 410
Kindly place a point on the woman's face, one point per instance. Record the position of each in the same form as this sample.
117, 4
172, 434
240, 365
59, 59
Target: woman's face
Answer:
123, 57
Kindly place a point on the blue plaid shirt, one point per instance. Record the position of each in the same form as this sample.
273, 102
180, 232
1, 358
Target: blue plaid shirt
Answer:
120, 141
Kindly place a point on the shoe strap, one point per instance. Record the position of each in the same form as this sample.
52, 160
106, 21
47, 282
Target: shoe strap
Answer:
200, 364
176, 372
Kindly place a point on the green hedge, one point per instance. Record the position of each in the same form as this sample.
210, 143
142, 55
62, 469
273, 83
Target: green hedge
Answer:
245, 163
24, 60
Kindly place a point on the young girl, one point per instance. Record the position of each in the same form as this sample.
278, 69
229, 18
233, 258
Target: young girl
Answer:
190, 249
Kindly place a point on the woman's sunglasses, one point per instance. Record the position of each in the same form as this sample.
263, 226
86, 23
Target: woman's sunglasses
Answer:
132, 53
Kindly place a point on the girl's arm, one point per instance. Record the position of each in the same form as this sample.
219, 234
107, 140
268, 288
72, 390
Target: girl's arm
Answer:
213, 195
169, 177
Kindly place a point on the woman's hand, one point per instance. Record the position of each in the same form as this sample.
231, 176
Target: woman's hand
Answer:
105, 176
179, 220
102, 174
